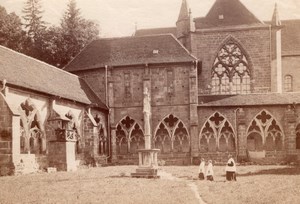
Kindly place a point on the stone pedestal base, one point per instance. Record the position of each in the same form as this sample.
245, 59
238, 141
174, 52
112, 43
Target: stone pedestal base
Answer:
147, 164
62, 155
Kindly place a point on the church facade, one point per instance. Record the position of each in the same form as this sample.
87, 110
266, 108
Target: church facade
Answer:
226, 83
239, 95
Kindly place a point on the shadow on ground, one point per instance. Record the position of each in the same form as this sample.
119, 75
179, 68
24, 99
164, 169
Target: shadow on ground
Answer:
280, 171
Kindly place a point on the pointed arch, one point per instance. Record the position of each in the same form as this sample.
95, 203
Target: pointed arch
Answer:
264, 133
31, 128
217, 134
171, 135
130, 136
232, 69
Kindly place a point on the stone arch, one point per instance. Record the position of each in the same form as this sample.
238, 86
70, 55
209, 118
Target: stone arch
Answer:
130, 136
217, 134
171, 135
32, 134
265, 133
232, 70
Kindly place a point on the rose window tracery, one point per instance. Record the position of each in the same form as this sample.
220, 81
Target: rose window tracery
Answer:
230, 72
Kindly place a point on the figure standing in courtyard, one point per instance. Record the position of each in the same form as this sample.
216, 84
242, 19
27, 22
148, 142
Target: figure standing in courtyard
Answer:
201, 169
210, 171
230, 169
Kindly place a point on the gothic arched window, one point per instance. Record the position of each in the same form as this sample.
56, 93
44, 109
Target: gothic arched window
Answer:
288, 83
130, 136
172, 135
264, 133
230, 72
217, 135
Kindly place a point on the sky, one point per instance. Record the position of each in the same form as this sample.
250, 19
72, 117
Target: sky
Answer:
121, 17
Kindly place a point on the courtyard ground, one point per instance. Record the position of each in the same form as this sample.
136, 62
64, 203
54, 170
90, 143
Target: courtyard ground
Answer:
178, 184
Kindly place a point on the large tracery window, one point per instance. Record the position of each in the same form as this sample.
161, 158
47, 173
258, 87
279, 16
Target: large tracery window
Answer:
230, 72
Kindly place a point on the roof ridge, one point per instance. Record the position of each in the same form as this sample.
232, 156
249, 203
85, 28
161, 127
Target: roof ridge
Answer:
36, 60
156, 28
184, 47
142, 36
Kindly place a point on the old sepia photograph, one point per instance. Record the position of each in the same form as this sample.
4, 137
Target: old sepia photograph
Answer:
150, 101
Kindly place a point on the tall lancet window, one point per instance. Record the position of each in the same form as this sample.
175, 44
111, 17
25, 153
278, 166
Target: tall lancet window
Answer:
230, 72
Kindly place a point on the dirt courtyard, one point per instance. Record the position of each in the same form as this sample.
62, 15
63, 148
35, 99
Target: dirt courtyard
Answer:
178, 184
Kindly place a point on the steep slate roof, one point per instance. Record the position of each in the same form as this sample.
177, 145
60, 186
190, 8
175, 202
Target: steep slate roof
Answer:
233, 12
23, 71
249, 99
128, 51
155, 31
290, 35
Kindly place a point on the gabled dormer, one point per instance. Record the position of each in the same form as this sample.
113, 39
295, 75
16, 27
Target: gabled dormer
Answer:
225, 13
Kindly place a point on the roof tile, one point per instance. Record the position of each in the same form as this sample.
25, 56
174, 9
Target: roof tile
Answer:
130, 51
23, 71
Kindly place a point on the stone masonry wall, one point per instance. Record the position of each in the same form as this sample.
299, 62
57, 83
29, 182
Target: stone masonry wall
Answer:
164, 100
170, 94
256, 43
290, 65
96, 80
5, 138
230, 113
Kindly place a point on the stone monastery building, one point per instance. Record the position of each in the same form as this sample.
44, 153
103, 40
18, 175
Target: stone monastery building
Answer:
224, 83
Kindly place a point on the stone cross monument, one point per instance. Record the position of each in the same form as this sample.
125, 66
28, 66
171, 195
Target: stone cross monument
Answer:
147, 115
147, 157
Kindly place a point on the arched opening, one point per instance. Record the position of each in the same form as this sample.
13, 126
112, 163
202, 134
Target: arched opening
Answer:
179, 141
265, 134
254, 142
130, 136
31, 131
217, 135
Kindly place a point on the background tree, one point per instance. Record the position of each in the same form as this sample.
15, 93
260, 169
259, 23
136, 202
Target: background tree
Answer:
56, 45
11, 33
77, 32
35, 29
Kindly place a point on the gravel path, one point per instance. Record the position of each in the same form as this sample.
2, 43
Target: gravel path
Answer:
190, 183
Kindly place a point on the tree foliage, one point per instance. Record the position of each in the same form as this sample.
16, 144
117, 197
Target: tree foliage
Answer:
56, 45
11, 33
76, 33
35, 27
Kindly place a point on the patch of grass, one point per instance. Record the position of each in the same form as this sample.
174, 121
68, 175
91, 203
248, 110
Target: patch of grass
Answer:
255, 184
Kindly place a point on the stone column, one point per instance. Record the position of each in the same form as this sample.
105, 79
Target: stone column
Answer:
193, 101
113, 141
147, 107
16, 139
241, 134
147, 116
290, 124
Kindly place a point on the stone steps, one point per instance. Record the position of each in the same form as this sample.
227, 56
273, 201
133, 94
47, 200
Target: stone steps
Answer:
145, 172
